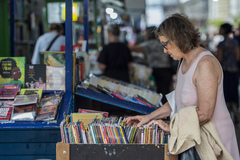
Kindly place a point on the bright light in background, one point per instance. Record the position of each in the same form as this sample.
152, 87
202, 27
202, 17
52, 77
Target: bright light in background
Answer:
113, 15
215, 0
109, 10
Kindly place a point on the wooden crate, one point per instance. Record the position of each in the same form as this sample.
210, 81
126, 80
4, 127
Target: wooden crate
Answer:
65, 151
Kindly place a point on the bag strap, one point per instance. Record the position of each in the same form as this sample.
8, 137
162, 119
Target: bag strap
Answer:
52, 42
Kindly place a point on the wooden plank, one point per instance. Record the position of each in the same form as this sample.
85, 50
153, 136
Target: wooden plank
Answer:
167, 156
32, 157
116, 152
63, 151
30, 135
15, 149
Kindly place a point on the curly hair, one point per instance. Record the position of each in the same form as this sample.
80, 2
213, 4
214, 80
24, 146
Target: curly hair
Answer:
180, 30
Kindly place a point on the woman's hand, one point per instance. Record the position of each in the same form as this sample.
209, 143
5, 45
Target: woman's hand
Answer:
139, 120
164, 126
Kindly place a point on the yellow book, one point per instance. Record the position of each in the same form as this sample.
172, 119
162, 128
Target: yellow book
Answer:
85, 117
32, 91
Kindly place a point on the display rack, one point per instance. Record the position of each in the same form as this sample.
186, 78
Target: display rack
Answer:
114, 101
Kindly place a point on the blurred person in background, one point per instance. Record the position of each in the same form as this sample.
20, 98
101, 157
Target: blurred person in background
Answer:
228, 55
115, 59
157, 60
50, 41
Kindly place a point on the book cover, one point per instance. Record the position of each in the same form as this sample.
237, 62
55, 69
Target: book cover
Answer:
35, 76
38, 91
5, 113
24, 112
8, 93
105, 114
8, 103
25, 99
12, 70
48, 110
85, 117
11, 86
55, 78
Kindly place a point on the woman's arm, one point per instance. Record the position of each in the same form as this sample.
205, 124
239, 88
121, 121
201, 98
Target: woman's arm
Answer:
206, 79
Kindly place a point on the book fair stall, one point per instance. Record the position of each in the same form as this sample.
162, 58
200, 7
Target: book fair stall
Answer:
49, 111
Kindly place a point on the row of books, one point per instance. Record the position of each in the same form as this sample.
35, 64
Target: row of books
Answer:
126, 91
34, 76
28, 105
110, 131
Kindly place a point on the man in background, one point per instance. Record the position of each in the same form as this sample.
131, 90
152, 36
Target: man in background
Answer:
50, 41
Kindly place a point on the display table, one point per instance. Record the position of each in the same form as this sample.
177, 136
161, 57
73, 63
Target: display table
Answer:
32, 140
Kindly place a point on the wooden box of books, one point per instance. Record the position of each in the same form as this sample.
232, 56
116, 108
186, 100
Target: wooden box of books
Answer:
66, 151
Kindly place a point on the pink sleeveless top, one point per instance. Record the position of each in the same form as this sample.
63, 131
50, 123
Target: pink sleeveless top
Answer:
186, 95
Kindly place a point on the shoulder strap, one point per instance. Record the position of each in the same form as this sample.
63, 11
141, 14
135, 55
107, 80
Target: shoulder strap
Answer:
52, 42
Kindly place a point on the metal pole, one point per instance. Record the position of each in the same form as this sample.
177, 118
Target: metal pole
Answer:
85, 5
68, 43
12, 28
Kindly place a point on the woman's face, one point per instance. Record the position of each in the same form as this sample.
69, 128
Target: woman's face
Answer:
170, 48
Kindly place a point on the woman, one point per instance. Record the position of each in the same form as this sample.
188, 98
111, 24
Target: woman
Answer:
115, 59
199, 81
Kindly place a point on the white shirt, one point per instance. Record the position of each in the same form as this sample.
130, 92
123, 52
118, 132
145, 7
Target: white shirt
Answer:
43, 42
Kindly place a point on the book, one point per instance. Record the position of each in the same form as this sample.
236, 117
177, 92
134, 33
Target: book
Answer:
32, 91
8, 103
11, 86
48, 108
5, 113
55, 78
12, 70
35, 76
8, 93
25, 99
24, 112
105, 114
85, 117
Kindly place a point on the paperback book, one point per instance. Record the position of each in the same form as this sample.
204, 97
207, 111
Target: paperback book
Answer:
55, 78
32, 91
12, 70
24, 112
8, 93
25, 99
35, 76
11, 86
5, 113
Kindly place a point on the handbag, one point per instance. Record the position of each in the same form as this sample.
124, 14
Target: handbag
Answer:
190, 154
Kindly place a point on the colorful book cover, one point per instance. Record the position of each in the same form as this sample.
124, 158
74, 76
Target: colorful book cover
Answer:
35, 76
5, 113
55, 78
32, 91
25, 99
8, 103
24, 112
8, 93
12, 70
12, 86
105, 114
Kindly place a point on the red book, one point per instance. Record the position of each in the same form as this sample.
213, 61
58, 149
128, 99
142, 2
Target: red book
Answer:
8, 93
5, 113
105, 114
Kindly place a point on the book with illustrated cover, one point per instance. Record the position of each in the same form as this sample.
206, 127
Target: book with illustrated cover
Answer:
105, 114
25, 99
5, 113
8, 103
24, 112
12, 70
35, 76
32, 91
8, 93
11, 86
55, 78
48, 108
